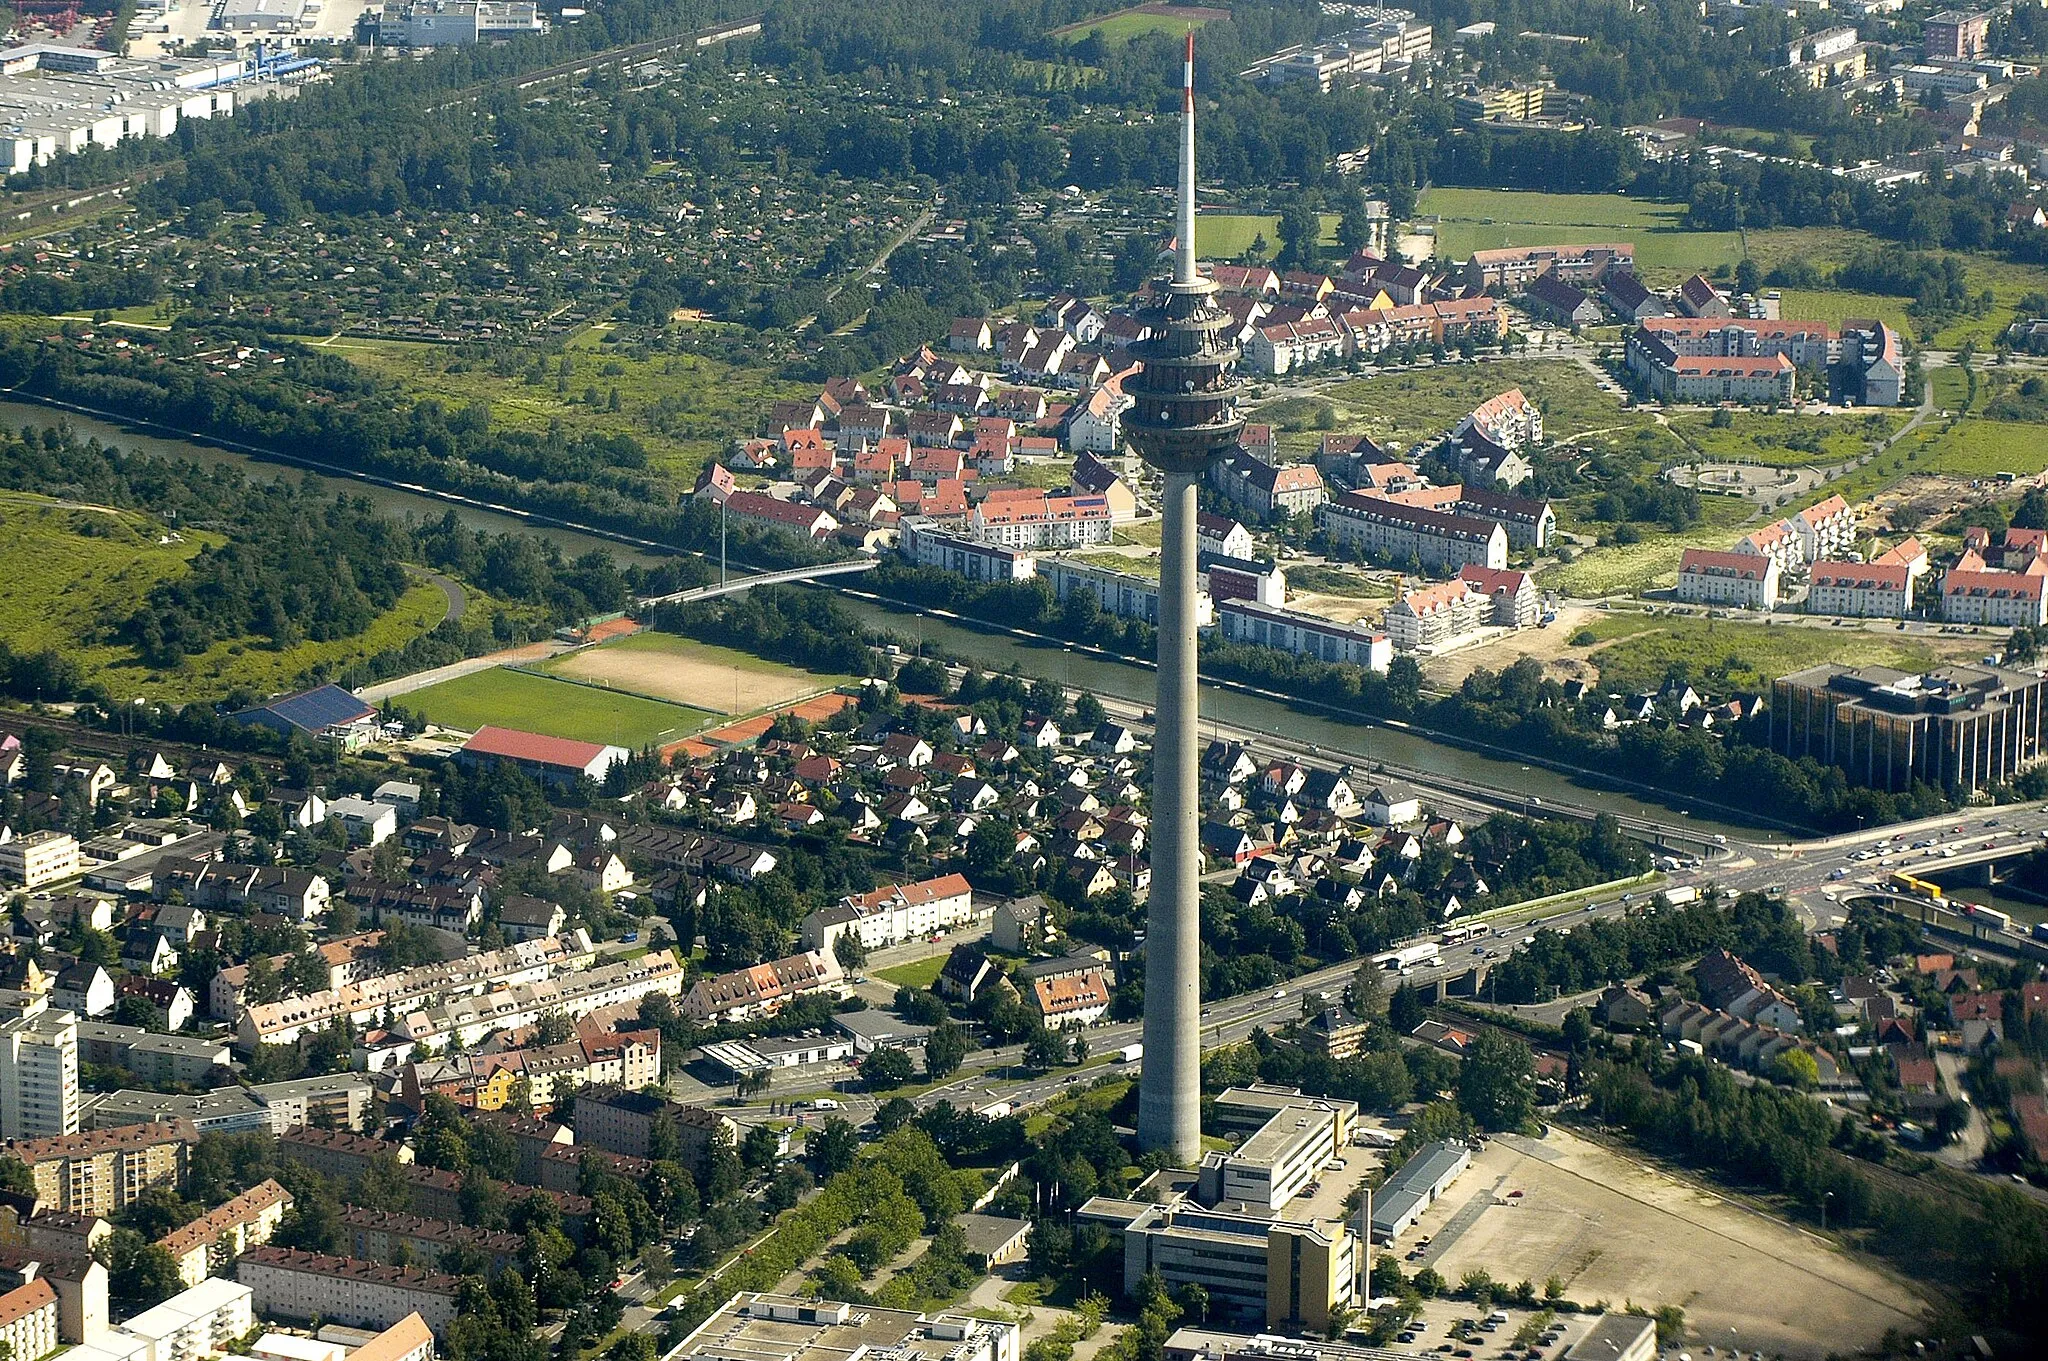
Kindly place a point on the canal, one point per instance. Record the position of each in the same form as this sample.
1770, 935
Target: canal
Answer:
1123, 680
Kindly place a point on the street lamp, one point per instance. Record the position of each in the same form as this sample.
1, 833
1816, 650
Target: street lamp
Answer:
1825, 1197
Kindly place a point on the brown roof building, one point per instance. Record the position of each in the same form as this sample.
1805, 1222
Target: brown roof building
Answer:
101, 1171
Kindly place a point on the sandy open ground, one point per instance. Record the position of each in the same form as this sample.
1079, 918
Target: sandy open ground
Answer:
663, 666
1551, 646
1614, 1229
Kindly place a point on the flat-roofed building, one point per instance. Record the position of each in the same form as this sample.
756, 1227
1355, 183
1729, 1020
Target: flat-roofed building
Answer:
1617, 1336
58, 99
1245, 1110
1273, 1164
754, 1325
1962, 726
1258, 1269
1306, 635
37, 858
1415, 1186
204, 1320
38, 1072
929, 543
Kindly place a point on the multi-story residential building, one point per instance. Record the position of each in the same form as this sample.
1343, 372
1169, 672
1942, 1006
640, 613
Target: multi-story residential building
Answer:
1826, 529
1528, 103
1861, 590
761, 990
362, 1001
1024, 518
1745, 580
615, 1120
1287, 346
37, 858
79, 1280
1222, 536
1756, 381
1373, 329
1512, 268
304, 1285
825, 1330
1966, 727
156, 1058
100, 1171
1221, 578
1809, 344
1438, 616
1517, 603
470, 1019
337, 1154
38, 1072
207, 1245
808, 522
1126, 595
1954, 35
28, 1321
893, 914
377, 1235
1251, 624
1393, 531
1529, 520
1972, 593
1509, 419
928, 543
1269, 488
1777, 541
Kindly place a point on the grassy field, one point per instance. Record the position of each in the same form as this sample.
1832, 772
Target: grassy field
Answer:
65, 568
1621, 570
557, 708
1835, 306
684, 409
1226, 236
1635, 651
919, 973
1126, 24
1485, 219
1118, 562
1762, 438
1404, 407
702, 676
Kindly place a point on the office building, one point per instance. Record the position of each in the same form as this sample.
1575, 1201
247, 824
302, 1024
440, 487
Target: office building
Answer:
1258, 1269
1960, 726
37, 858
1272, 1165
101, 1171
304, 1285
38, 1072
1182, 421
762, 1326
458, 23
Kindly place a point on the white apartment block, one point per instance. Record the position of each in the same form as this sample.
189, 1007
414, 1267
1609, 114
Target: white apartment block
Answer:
1510, 420
1123, 594
207, 1320
1394, 532
890, 915
1034, 519
1745, 580
1777, 541
38, 1073
1435, 617
523, 1004
37, 858
928, 544
1984, 596
1825, 530
1861, 590
28, 1321
413, 989
304, 1285
1305, 635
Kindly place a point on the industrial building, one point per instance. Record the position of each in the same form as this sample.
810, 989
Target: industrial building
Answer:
458, 23
1415, 1186
1961, 726
56, 99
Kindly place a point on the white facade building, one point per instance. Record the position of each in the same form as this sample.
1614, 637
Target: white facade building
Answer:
1437, 616
38, 1073
1745, 580
1306, 635
37, 858
1123, 594
890, 915
1393, 531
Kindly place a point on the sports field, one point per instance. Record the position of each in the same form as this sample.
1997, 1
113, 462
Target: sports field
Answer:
664, 666
530, 703
1226, 236
1486, 219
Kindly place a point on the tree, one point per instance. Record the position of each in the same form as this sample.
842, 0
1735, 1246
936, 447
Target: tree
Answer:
1301, 233
851, 951
944, 1050
1045, 1048
886, 1068
139, 1271
831, 1147
1497, 1081
1088, 713
1405, 1010
1367, 994
1797, 1068
758, 1149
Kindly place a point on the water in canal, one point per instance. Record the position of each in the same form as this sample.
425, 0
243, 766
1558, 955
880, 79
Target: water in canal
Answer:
997, 652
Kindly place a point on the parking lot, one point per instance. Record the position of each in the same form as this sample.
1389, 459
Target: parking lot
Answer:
1613, 1229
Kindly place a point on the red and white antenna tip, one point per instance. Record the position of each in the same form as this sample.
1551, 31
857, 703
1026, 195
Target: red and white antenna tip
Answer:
1191, 45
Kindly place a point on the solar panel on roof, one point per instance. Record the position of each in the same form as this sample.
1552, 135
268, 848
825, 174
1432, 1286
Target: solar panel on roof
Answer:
315, 709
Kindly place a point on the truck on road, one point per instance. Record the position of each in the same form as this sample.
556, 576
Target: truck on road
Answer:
1409, 956
1130, 1053
1678, 897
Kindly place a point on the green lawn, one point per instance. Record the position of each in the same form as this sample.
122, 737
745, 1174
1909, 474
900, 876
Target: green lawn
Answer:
1790, 441
558, 708
1634, 651
67, 570
1485, 219
1127, 24
1226, 236
1427, 402
916, 974
1837, 305
1623, 569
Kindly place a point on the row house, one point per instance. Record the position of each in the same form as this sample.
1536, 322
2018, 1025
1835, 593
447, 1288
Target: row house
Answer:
1512, 269
762, 989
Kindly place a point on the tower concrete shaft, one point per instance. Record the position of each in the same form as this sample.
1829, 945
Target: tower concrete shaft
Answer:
1182, 419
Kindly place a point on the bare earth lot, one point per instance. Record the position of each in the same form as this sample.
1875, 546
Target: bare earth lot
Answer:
1615, 1230
663, 666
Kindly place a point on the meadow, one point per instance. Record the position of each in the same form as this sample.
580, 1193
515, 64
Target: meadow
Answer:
684, 409
1759, 437
1635, 651
557, 708
1227, 236
1422, 403
1137, 21
65, 568
1486, 219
